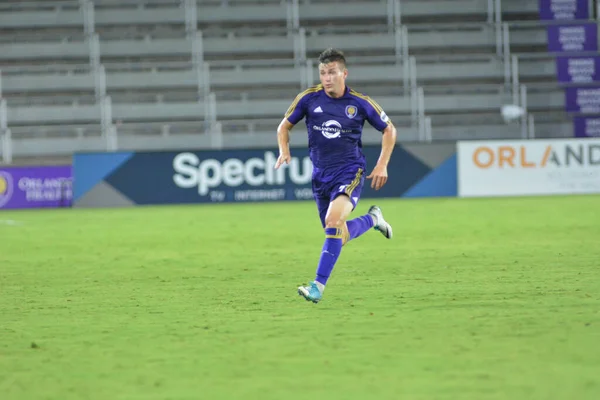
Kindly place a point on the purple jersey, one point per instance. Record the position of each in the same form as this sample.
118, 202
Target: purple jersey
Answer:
335, 125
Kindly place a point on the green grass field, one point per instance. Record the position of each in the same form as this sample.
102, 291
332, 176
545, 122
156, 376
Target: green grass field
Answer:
472, 299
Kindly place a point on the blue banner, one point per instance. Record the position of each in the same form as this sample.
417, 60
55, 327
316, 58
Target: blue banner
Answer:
564, 9
579, 69
191, 177
572, 37
586, 127
585, 100
129, 178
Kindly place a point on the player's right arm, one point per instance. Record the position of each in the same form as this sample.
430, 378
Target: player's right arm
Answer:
293, 115
283, 140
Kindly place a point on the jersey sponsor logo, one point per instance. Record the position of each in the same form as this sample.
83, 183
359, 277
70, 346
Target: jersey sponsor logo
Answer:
384, 116
318, 110
209, 174
351, 111
331, 129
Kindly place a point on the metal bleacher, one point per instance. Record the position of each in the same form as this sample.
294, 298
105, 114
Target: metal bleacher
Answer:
157, 74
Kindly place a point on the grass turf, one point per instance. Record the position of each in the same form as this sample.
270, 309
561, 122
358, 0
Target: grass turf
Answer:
472, 299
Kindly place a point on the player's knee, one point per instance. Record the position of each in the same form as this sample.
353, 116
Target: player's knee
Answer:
334, 222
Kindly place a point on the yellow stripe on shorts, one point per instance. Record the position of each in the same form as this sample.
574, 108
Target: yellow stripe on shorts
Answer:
350, 188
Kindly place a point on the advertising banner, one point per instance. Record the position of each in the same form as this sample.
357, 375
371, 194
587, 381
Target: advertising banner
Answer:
586, 127
528, 167
578, 69
572, 37
137, 178
564, 9
585, 100
35, 187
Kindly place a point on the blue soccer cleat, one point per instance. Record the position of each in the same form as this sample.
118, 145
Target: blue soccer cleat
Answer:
380, 224
310, 293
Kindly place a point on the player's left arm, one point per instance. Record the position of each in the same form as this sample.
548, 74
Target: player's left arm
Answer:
388, 141
380, 121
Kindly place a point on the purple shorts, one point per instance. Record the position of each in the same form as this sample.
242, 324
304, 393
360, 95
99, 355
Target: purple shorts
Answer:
327, 186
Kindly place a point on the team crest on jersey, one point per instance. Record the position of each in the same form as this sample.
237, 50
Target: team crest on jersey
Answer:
351, 111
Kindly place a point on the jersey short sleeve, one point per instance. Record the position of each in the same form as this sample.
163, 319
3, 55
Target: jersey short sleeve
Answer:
297, 109
375, 115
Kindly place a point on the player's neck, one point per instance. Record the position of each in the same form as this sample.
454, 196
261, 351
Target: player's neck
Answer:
337, 95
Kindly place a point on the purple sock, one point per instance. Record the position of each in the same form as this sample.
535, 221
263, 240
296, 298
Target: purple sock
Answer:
331, 251
360, 225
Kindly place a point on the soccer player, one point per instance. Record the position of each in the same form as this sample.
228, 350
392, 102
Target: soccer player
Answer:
335, 115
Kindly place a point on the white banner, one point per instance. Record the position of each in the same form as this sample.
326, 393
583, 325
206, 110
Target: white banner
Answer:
528, 167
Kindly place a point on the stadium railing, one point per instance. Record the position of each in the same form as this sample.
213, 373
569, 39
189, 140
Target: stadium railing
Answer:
396, 49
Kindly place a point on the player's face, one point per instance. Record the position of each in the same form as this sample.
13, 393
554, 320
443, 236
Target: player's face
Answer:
333, 78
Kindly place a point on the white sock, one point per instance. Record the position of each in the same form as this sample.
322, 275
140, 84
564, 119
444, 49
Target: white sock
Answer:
375, 219
320, 286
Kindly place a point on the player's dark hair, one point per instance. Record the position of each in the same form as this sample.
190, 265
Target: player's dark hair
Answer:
332, 55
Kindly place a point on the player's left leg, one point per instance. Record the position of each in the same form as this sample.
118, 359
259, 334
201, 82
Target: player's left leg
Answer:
373, 219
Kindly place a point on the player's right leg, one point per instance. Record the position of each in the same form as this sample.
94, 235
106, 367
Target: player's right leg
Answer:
337, 213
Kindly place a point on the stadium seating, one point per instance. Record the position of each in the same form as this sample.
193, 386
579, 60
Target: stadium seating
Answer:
159, 68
